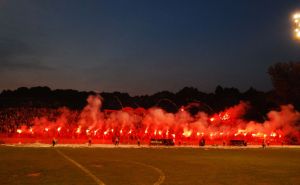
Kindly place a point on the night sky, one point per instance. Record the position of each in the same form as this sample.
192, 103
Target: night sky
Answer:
144, 46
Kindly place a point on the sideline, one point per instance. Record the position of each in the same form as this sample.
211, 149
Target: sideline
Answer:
46, 145
96, 179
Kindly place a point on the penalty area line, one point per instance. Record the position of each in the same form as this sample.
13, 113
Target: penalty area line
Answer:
162, 176
159, 181
96, 179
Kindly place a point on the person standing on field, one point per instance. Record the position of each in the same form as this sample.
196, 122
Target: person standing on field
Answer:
54, 142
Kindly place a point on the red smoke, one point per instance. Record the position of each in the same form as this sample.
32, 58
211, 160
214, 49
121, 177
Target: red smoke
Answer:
131, 124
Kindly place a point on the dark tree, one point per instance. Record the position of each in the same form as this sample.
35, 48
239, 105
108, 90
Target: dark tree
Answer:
286, 81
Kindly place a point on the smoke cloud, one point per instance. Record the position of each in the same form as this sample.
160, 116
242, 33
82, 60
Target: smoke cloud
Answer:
281, 125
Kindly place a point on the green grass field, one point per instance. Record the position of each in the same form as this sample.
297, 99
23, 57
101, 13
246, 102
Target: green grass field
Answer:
186, 166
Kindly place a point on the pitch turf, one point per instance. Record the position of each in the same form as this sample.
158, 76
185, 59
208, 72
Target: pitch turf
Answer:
186, 166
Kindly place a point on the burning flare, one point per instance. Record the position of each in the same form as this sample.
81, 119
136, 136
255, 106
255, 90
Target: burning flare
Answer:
129, 124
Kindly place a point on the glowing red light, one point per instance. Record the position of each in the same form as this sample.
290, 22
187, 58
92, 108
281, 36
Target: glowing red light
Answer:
224, 117
78, 130
158, 124
19, 131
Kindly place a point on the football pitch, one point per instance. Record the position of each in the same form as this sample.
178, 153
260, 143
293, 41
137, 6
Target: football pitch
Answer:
137, 166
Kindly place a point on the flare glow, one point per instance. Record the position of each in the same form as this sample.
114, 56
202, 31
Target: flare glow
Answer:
131, 124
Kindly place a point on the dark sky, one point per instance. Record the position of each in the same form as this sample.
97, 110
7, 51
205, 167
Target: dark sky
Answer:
144, 46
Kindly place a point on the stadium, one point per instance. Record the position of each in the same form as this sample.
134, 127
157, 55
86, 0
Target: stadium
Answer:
149, 92
139, 146
141, 126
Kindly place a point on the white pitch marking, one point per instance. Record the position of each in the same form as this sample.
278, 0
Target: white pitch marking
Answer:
162, 176
96, 179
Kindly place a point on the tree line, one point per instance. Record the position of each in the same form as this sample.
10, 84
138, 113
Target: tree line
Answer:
285, 78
